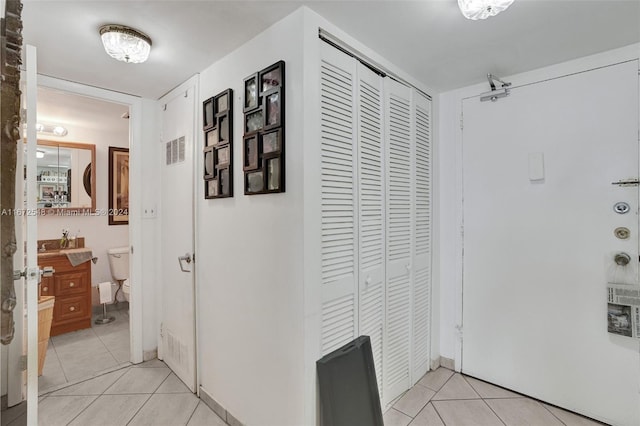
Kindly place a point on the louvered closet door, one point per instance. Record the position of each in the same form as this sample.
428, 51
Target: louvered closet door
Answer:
339, 228
371, 211
399, 233
422, 239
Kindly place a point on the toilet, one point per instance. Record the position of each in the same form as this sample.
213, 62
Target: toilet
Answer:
119, 265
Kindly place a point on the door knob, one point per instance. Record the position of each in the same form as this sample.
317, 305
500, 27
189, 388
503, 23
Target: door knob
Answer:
622, 259
368, 280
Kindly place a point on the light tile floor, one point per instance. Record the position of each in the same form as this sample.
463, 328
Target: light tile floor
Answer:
86, 353
150, 394
445, 398
143, 394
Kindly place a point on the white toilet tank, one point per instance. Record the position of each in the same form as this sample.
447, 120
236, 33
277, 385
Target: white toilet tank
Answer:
119, 262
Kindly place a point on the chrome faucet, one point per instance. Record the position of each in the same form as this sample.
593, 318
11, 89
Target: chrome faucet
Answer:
43, 247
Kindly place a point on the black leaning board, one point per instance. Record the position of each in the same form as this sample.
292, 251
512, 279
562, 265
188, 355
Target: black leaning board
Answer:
348, 387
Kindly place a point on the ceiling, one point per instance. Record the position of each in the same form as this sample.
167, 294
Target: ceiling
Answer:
80, 114
428, 39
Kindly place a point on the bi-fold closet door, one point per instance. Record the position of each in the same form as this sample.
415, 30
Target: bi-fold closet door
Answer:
375, 148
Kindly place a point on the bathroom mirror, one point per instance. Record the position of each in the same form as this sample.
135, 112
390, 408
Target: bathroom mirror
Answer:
66, 176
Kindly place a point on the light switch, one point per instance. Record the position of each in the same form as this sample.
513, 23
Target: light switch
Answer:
536, 166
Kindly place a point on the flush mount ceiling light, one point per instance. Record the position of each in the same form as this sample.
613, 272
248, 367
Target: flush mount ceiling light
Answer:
51, 129
482, 9
125, 44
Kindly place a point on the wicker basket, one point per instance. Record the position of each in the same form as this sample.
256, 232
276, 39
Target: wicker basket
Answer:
45, 315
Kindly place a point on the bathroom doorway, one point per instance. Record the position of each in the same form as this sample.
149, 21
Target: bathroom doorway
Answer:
87, 253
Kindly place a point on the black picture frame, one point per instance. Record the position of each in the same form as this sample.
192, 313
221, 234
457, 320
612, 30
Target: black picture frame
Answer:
264, 170
208, 114
218, 147
250, 155
251, 93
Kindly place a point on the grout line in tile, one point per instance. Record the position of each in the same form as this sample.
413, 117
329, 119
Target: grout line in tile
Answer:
551, 412
437, 412
139, 409
493, 411
66, 379
81, 411
194, 411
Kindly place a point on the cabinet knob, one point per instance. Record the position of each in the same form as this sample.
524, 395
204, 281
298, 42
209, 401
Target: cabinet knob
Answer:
45, 289
72, 308
71, 284
368, 280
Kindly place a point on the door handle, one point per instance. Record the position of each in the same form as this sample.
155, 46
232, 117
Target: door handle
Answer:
185, 258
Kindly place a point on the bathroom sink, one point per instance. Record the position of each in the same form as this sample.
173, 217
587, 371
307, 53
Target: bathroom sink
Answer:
52, 247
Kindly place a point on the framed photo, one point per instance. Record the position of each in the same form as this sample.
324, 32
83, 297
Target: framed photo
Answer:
251, 153
255, 182
208, 118
251, 92
254, 121
218, 148
271, 77
118, 186
271, 141
222, 156
264, 131
273, 174
209, 163
211, 137
47, 192
223, 129
211, 188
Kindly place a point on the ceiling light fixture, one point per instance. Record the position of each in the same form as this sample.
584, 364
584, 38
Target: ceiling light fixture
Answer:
51, 129
39, 154
125, 44
482, 9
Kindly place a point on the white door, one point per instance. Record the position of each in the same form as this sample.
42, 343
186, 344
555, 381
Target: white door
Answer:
25, 314
177, 274
371, 211
399, 242
339, 204
539, 253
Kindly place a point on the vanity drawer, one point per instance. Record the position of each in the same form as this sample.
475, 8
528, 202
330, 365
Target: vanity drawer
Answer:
70, 308
46, 286
69, 283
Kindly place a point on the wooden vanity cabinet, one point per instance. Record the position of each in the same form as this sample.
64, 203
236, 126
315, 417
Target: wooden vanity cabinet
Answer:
71, 287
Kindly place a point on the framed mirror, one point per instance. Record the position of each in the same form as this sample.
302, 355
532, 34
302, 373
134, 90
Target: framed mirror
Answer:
66, 176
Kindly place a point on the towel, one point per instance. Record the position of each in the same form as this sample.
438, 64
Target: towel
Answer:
78, 256
105, 292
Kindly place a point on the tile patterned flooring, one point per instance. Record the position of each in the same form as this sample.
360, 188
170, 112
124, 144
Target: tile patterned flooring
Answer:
150, 394
445, 398
147, 394
86, 353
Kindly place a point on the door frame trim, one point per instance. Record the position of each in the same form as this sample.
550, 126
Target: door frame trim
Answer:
135, 185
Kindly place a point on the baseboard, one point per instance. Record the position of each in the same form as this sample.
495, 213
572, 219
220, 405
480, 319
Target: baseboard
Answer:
447, 363
443, 362
149, 355
219, 409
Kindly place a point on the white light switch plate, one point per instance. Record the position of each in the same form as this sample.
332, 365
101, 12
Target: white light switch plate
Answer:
536, 166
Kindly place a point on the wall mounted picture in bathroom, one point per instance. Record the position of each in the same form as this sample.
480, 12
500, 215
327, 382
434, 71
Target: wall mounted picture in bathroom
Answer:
218, 145
263, 142
118, 186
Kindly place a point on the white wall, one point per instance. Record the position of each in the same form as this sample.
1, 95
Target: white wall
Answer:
450, 189
250, 255
99, 236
